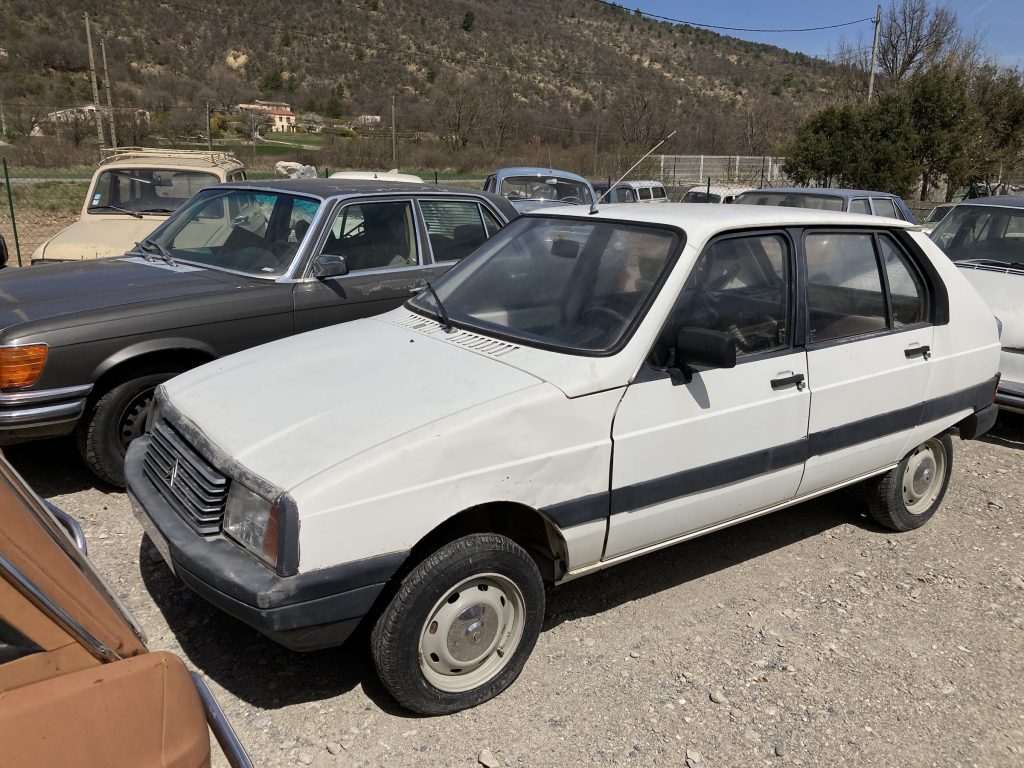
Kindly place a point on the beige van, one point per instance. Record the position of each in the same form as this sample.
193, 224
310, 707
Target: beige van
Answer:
133, 191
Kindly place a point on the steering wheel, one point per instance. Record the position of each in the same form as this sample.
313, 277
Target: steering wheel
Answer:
604, 311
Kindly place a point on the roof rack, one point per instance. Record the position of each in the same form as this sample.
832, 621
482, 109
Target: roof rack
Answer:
153, 153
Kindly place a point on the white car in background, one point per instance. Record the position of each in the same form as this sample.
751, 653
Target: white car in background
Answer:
585, 388
714, 193
985, 238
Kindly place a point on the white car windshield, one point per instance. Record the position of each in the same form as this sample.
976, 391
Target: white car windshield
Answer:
145, 190
983, 234
545, 188
256, 232
572, 285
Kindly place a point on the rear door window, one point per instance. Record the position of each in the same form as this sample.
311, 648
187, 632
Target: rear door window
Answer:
906, 288
845, 295
455, 228
884, 206
860, 205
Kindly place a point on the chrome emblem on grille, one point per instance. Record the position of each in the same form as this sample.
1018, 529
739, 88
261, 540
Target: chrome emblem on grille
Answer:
172, 476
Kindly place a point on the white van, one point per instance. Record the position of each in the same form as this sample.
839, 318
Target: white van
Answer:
580, 391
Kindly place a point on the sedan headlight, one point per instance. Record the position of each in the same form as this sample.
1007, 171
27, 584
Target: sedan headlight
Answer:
252, 521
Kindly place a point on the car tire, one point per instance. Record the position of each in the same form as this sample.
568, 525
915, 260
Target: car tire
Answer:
114, 419
461, 625
908, 495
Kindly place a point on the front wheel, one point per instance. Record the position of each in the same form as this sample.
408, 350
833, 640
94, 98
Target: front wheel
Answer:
908, 495
114, 420
461, 626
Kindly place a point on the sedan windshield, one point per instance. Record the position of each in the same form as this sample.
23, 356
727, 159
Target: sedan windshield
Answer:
557, 283
545, 188
145, 190
982, 233
791, 200
256, 232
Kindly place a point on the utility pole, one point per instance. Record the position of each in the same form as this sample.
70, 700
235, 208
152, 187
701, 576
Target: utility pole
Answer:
209, 133
874, 50
394, 143
597, 136
95, 88
110, 100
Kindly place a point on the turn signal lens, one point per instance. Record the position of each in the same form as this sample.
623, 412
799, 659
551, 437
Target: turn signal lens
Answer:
21, 366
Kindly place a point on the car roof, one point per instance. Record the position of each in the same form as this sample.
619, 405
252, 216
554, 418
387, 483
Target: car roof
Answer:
531, 170
826, 191
642, 183
703, 221
999, 201
325, 188
145, 157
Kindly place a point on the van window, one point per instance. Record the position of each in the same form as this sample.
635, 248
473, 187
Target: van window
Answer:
658, 193
645, 193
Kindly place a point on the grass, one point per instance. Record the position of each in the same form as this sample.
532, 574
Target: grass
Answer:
61, 197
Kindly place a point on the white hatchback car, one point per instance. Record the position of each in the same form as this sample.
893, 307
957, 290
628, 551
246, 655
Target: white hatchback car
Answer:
581, 390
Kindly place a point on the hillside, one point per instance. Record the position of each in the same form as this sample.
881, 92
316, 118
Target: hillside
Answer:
478, 74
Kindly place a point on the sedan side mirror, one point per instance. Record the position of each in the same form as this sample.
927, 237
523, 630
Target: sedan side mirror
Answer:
329, 265
699, 346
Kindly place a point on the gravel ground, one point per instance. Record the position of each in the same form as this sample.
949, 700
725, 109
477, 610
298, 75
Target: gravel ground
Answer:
808, 637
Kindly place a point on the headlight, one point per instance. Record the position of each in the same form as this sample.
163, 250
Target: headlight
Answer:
252, 521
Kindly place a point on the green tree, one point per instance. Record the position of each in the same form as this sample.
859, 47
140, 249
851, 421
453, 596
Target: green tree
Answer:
467, 21
942, 118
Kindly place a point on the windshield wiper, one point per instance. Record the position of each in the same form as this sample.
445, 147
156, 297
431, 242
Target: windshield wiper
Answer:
156, 210
118, 208
146, 247
993, 263
446, 322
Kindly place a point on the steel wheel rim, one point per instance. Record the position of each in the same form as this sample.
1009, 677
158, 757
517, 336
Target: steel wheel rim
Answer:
923, 476
132, 422
472, 632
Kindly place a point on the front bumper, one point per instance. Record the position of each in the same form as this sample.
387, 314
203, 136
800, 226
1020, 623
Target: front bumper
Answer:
42, 413
1010, 396
305, 612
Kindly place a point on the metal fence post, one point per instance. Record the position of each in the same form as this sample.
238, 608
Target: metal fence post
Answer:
10, 203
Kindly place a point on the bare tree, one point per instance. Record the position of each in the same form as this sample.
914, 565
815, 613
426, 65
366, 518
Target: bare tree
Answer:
75, 126
642, 112
459, 107
226, 87
913, 35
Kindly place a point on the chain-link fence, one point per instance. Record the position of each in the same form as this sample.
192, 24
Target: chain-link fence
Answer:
32, 209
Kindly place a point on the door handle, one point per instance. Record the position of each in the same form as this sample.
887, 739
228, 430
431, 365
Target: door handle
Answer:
785, 381
922, 350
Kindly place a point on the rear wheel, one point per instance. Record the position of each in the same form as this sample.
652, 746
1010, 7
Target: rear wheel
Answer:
114, 420
908, 495
461, 626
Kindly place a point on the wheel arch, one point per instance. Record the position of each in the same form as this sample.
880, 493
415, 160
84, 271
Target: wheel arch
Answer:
174, 353
526, 526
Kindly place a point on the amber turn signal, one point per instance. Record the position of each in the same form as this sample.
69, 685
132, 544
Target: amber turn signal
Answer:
21, 366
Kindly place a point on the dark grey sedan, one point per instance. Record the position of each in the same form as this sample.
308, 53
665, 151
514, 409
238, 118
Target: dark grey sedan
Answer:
83, 344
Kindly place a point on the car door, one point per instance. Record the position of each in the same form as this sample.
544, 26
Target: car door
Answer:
731, 441
869, 336
382, 244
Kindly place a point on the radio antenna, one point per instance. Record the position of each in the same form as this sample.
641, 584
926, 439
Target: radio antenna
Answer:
593, 206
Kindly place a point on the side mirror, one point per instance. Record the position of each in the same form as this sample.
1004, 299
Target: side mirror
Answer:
699, 346
329, 265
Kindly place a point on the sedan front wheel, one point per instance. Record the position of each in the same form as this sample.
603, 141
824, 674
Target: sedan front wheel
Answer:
461, 626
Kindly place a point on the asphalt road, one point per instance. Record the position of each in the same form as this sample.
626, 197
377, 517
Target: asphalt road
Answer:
807, 637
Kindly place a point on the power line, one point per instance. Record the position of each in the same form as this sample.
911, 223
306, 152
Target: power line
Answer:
731, 29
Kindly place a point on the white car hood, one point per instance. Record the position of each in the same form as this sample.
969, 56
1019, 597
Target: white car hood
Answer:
1003, 290
295, 407
98, 236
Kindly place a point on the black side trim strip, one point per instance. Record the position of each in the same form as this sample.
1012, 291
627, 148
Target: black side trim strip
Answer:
709, 476
661, 489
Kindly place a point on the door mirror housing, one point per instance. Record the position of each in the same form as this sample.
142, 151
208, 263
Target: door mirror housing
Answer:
329, 265
699, 346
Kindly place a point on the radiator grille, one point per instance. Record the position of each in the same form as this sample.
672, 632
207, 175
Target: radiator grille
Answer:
190, 484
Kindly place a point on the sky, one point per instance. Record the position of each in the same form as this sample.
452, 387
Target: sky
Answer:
999, 23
